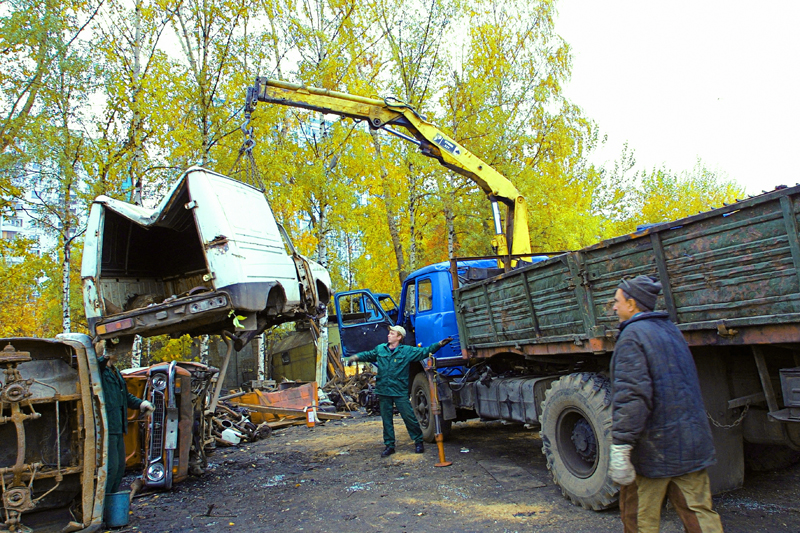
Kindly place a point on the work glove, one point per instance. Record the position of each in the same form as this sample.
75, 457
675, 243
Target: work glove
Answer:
445, 342
620, 467
349, 361
146, 407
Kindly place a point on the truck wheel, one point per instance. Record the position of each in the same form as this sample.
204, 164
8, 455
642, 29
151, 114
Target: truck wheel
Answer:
421, 403
766, 457
576, 439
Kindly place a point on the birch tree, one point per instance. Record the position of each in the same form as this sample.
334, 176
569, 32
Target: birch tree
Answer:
131, 65
198, 113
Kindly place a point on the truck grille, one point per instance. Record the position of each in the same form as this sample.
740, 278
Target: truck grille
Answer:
157, 426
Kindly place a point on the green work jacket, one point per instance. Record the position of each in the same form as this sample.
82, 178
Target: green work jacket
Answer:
117, 398
392, 378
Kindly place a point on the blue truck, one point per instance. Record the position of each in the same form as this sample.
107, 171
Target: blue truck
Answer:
534, 343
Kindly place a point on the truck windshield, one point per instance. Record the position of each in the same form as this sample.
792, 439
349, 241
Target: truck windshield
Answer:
410, 307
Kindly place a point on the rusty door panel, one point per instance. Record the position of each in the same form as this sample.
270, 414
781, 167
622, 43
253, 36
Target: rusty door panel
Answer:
133, 438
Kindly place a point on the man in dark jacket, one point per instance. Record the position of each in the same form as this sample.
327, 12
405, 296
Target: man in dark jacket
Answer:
662, 442
391, 383
118, 400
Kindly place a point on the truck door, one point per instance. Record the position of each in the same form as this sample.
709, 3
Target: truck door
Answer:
363, 324
427, 325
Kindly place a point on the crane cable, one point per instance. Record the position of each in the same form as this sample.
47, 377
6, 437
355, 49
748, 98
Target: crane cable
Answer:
252, 175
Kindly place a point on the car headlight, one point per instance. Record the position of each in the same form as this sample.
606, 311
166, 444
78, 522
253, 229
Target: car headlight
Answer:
159, 382
155, 472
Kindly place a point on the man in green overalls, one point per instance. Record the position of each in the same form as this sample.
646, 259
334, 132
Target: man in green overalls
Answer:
118, 400
393, 360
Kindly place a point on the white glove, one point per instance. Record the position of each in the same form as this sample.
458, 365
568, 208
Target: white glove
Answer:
620, 467
146, 407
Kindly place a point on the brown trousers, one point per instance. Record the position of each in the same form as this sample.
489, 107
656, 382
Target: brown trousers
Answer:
640, 503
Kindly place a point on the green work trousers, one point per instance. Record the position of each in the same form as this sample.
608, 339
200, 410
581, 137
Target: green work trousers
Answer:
387, 404
116, 462
640, 503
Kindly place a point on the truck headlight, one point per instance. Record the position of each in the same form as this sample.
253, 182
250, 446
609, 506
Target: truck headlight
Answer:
155, 472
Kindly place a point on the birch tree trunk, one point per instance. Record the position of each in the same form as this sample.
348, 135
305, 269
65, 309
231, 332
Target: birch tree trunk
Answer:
67, 175
322, 236
136, 123
136, 352
449, 224
204, 343
412, 244
66, 322
262, 356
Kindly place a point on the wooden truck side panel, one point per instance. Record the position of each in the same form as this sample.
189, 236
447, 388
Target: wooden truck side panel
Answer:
730, 276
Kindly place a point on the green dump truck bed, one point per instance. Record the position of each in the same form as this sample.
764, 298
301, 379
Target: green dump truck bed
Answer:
730, 275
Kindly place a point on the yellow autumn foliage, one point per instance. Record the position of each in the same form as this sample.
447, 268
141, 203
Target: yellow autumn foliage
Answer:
371, 208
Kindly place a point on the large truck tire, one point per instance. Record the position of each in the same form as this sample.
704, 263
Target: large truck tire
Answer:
766, 457
576, 439
421, 403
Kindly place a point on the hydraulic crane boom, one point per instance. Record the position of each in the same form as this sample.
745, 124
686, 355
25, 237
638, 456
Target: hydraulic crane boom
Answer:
431, 141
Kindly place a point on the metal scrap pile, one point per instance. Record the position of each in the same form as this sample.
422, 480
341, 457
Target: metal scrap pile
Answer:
231, 422
350, 393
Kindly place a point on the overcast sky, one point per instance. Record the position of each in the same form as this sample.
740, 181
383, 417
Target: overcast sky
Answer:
680, 80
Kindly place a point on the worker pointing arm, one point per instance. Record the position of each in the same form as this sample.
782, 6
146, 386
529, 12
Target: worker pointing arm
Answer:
391, 384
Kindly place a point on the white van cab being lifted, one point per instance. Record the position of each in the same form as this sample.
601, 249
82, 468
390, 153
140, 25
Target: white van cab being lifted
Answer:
210, 251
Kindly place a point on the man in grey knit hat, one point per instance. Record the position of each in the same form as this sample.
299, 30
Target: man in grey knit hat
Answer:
661, 440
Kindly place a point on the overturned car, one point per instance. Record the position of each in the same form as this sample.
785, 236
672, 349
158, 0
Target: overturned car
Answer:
52, 435
174, 440
209, 258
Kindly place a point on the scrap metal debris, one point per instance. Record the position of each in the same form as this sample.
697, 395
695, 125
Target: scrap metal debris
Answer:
236, 418
350, 393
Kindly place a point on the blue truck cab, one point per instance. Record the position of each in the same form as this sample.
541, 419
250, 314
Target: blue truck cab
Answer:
425, 311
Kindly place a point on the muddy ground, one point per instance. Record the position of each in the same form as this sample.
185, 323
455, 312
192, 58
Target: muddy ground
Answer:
331, 479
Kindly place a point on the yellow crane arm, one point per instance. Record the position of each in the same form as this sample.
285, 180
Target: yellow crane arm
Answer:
431, 141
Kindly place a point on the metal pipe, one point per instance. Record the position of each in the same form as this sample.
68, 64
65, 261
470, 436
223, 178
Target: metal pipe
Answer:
498, 222
322, 92
227, 336
403, 136
436, 411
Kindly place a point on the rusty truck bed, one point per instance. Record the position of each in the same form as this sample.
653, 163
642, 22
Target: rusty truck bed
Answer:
730, 275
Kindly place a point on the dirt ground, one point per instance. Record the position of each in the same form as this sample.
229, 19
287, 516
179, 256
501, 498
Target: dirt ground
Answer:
331, 478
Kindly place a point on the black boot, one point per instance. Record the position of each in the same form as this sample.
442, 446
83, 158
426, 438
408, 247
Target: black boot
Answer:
419, 448
388, 451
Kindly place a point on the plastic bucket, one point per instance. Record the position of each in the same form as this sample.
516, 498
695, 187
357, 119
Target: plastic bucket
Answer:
117, 506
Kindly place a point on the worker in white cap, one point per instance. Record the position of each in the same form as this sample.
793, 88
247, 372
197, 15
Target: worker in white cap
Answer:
391, 386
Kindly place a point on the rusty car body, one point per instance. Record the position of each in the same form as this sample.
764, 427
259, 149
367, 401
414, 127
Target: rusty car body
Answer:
173, 441
52, 435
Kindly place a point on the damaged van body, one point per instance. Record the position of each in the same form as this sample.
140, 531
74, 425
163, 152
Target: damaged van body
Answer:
210, 252
52, 435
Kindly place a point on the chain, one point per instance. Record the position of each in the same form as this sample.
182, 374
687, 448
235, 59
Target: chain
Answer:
252, 175
735, 423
